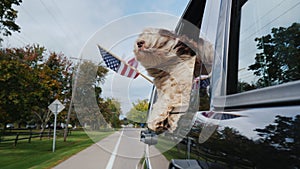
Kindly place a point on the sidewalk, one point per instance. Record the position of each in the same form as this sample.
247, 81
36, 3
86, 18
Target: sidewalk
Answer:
99, 154
158, 161
93, 157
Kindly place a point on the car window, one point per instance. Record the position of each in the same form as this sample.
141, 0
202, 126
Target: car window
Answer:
269, 45
208, 32
210, 21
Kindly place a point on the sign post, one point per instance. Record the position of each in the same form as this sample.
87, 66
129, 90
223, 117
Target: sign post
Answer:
55, 107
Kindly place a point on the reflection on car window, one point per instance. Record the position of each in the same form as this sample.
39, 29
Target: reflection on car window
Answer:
269, 47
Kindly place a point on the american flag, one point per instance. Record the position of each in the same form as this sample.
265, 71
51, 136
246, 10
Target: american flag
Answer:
118, 66
204, 82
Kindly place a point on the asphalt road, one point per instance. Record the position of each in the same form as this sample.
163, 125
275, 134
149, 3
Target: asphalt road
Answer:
121, 150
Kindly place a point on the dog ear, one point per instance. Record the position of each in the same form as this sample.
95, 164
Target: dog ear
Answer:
184, 46
183, 49
167, 33
187, 47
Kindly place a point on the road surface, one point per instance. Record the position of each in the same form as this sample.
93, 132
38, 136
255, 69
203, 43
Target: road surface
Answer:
121, 150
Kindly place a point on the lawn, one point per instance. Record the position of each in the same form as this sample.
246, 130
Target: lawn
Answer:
38, 154
172, 153
178, 151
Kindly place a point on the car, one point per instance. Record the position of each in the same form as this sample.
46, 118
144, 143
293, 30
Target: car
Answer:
9, 126
70, 126
31, 126
58, 126
254, 98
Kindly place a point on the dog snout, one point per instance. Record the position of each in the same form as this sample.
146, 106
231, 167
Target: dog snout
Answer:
140, 43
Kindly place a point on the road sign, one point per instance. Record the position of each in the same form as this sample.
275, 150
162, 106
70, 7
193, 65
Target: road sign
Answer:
56, 106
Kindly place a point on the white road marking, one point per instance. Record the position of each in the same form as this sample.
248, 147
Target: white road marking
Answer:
148, 156
114, 153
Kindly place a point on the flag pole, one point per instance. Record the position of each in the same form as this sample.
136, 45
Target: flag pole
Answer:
144, 76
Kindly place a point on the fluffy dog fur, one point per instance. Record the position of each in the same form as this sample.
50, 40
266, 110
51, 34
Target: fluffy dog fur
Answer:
171, 60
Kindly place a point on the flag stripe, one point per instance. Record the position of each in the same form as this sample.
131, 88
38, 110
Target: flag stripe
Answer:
121, 68
116, 65
133, 62
124, 70
136, 75
130, 73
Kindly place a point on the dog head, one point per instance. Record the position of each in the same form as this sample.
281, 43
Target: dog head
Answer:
158, 48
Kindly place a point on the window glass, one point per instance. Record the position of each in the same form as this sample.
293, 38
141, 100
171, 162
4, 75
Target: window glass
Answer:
208, 33
269, 47
210, 20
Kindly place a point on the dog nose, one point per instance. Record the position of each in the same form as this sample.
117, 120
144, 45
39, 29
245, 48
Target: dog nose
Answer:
140, 43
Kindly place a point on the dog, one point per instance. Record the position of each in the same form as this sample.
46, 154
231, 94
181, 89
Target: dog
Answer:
173, 61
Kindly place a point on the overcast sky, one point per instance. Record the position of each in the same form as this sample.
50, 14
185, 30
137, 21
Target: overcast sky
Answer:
66, 25
73, 27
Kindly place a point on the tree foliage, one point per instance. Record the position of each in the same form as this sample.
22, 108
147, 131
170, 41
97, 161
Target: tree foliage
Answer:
278, 145
280, 57
283, 134
55, 77
244, 86
90, 107
15, 78
110, 109
114, 112
8, 16
30, 80
204, 100
138, 113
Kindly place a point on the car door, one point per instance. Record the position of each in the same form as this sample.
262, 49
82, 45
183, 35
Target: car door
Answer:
255, 96
251, 117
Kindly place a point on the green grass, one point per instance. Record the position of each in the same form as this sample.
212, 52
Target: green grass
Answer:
38, 154
175, 152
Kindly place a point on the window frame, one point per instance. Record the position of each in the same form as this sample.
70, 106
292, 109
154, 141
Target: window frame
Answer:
191, 19
280, 95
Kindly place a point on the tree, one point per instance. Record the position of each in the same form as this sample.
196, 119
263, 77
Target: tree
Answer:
280, 57
281, 139
204, 103
55, 83
277, 147
112, 116
8, 16
138, 113
110, 110
15, 78
244, 86
90, 108
17, 82
29, 83
282, 134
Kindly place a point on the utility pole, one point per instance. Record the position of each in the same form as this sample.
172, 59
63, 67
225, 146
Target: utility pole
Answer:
71, 102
